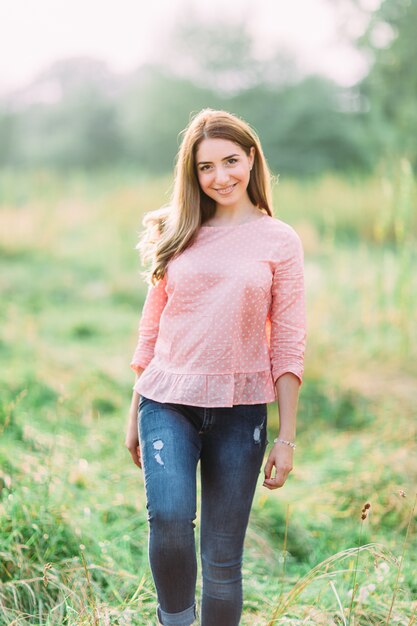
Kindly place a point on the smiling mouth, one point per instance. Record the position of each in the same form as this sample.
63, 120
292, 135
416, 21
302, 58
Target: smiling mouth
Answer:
226, 190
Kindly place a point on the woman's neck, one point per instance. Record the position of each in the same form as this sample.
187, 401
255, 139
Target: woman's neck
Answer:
228, 216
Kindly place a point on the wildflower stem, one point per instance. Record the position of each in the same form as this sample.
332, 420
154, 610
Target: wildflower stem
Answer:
90, 592
394, 594
413, 616
342, 613
284, 548
284, 564
354, 585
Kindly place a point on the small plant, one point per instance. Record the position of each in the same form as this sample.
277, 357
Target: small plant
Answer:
394, 594
364, 515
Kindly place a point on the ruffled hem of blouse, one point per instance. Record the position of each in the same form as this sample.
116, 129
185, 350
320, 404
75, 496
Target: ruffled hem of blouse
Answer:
206, 390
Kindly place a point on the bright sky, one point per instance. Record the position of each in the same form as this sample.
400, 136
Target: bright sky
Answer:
126, 33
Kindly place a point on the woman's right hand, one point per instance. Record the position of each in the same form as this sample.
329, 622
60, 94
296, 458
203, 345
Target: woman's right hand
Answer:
132, 441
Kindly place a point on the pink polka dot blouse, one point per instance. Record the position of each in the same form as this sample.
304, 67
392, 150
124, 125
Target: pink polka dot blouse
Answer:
227, 319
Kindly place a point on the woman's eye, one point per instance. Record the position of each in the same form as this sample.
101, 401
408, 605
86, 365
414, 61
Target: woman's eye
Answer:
230, 161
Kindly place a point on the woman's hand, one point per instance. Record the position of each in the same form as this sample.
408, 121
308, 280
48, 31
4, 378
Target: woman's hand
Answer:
281, 456
132, 437
132, 441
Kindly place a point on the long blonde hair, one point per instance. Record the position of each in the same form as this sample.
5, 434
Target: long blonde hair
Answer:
173, 227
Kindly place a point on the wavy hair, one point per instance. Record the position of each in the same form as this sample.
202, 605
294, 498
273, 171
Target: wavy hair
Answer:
172, 228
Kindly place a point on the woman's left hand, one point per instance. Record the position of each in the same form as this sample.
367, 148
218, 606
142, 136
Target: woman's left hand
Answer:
281, 456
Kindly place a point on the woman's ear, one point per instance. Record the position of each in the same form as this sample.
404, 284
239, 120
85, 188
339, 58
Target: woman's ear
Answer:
251, 156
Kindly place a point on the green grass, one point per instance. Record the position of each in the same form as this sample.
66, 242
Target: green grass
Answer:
73, 531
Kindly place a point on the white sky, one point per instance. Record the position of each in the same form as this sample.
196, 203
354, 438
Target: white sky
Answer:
126, 33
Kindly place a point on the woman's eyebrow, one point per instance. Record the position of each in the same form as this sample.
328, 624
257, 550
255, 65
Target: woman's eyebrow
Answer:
224, 159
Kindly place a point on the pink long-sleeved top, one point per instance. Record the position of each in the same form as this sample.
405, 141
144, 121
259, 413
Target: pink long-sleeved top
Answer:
227, 319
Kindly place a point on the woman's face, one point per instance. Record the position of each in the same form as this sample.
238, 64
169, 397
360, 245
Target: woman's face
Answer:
223, 170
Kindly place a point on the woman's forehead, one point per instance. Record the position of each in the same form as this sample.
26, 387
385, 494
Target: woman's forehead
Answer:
213, 149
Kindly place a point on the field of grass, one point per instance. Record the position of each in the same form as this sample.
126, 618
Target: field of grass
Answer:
73, 530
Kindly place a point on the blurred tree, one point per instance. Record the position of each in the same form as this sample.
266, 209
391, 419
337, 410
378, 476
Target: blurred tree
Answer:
220, 56
154, 107
391, 86
69, 117
8, 128
305, 128
82, 131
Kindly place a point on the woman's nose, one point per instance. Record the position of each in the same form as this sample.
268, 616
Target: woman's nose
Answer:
222, 176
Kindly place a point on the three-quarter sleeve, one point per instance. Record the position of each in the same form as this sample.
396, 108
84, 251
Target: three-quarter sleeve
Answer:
155, 302
287, 312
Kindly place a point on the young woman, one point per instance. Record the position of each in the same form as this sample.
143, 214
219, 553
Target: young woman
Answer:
222, 333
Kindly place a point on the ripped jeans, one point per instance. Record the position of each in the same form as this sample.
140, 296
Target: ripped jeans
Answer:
230, 443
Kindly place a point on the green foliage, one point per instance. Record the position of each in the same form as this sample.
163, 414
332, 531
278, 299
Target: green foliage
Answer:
9, 425
391, 86
270, 520
304, 129
8, 134
81, 132
150, 128
31, 535
83, 331
339, 409
36, 393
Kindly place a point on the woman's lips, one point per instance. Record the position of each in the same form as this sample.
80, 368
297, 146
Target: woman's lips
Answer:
226, 190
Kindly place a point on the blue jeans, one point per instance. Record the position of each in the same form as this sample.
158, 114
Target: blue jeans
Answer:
230, 443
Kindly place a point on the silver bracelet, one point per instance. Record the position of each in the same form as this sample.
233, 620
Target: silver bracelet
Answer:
288, 443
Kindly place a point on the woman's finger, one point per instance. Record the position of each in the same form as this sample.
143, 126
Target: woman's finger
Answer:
268, 467
135, 454
278, 480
